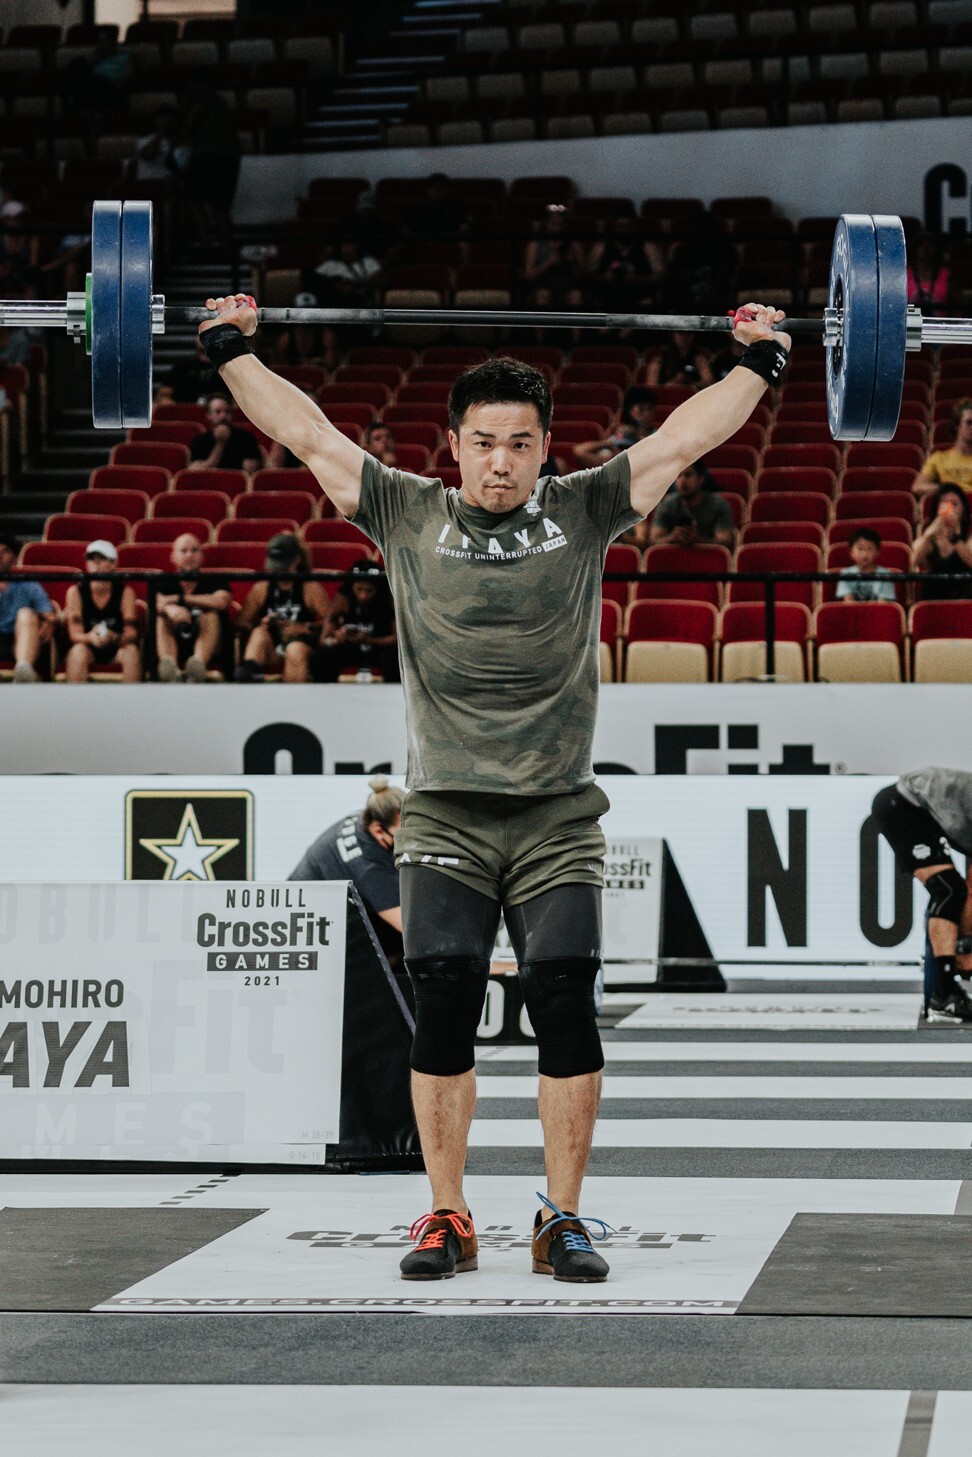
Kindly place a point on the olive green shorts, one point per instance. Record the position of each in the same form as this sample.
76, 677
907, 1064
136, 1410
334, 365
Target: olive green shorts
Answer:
510, 847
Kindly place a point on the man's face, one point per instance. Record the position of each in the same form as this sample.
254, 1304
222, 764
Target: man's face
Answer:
688, 482
642, 414
219, 412
98, 565
864, 554
500, 449
380, 440
186, 554
963, 436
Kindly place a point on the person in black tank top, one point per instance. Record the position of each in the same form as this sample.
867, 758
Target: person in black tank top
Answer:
281, 618
359, 633
102, 621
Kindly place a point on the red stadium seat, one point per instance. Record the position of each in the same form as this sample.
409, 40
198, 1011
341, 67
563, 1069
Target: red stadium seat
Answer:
941, 637
382, 354
779, 557
425, 392
868, 629
144, 556
168, 456
259, 505
335, 531
737, 506
306, 376
61, 555
790, 506
581, 354
338, 556
417, 432
611, 620
414, 458
603, 417
802, 432
816, 478
752, 434
389, 375
607, 395
757, 532
181, 432
158, 529
148, 478
375, 396
661, 624
78, 527
286, 480
620, 558
133, 505
230, 556
345, 415
888, 528
254, 528
231, 483
862, 505
731, 479
395, 415
828, 456
874, 452
877, 478
894, 554
735, 457
461, 355
590, 374
702, 560
173, 411
742, 629
213, 505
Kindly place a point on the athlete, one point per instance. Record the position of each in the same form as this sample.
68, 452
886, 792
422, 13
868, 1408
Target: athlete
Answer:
923, 816
497, 592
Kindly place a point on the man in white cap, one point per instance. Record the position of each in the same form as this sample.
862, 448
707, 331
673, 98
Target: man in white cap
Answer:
102, 619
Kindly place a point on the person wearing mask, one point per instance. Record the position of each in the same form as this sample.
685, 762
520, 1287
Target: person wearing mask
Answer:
102, 621
361, 848
945, 547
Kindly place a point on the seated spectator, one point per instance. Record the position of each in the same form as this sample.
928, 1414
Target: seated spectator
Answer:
380, 442
224, 446
944, 545
554, 266
158, 152
929, 281
27, 616
725, 360
701, 269
629, 270
282, 618
314, 344
953, 466
359, 632
192, 379
190, 615
351, 277
690, 515
101, 619
65, 269
14, 346
637, 422
683, 361
438, 213
19, 249
361, 848
865, 581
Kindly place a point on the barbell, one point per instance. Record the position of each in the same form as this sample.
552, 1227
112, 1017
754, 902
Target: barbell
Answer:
866, 330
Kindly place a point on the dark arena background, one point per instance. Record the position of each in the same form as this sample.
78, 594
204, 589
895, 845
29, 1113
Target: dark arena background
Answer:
209, 1159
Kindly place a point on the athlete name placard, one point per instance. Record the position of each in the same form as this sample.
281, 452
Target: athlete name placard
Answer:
173, 1020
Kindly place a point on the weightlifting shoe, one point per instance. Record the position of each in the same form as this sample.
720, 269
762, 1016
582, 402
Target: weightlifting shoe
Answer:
562, 1246
950, 1006
447, 1247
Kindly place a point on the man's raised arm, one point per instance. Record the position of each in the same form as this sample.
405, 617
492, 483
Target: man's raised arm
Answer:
715, 413
278, 408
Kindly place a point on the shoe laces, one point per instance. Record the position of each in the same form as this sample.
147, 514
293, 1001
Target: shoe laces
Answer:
576, 1239
460, 1224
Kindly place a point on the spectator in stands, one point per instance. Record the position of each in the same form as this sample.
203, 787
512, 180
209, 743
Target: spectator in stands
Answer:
313, 344
212, 165
690, 515
637, 422
726, 359
193, 379
15, 346
701, 269
359, 633
160, 156
380, 442
929, 280
438, 213
101, 619
952, 466
66, 269
554, 265
629, 269
684, 361
351, 277
865, 580
361, 848
19, 249
27, 616
944, 546
282, 618
191, 613
224, 446
112, 64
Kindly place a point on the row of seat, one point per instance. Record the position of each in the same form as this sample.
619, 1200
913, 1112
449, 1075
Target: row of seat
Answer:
691, 642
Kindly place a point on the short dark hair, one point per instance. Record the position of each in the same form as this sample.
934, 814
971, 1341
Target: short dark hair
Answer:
10, 541
500, 381
949, 488
864, 533
638, 394
377, 425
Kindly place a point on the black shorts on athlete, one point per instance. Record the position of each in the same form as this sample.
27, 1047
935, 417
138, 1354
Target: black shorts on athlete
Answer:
914, 835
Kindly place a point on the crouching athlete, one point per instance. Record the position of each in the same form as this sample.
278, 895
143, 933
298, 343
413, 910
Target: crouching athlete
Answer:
497, 591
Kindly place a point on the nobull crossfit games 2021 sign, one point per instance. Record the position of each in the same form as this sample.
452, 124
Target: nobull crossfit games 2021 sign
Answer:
171, 1021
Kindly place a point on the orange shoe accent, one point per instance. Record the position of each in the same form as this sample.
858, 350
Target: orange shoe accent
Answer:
461, 1225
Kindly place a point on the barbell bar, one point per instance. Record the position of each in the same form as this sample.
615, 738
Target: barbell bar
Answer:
866, 330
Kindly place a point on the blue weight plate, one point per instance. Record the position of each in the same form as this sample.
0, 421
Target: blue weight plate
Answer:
106, 315
892, 327
851, 364
136, 314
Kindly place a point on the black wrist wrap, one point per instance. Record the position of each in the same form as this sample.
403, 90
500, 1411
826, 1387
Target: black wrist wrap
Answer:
222, 343
767, 359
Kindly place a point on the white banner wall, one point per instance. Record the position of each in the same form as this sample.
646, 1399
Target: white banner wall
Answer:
781, 870
642, 728
807, 171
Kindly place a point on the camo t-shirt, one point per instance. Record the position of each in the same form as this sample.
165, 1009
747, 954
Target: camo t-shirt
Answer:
498, 624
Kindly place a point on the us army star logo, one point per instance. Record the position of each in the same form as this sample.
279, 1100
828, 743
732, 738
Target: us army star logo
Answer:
189, 856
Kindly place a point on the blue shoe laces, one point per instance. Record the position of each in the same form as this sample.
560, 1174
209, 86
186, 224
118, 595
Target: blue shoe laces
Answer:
575, 1239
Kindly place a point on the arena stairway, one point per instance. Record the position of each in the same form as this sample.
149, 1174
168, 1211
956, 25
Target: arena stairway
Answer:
380, 86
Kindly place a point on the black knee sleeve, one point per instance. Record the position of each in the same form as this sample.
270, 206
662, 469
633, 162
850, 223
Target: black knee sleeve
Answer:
946, 895
449, 996
559, 997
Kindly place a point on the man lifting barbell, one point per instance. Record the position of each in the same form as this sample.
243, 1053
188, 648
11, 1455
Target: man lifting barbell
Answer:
922, 817
498, 594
